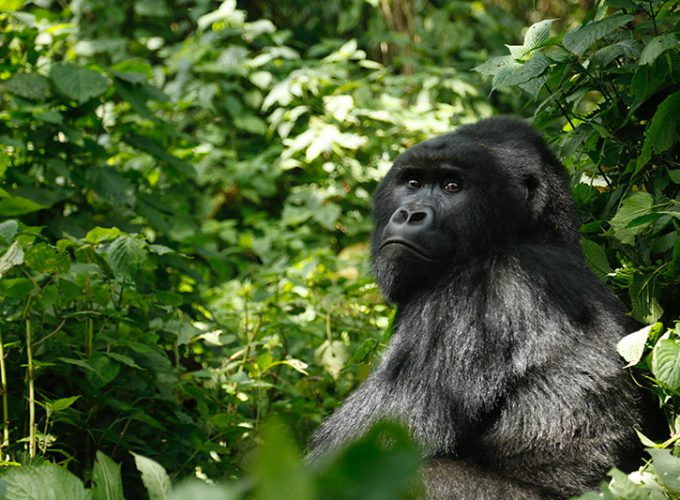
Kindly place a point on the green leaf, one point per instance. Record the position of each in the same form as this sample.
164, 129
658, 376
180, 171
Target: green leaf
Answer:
517, 73
632, 346
99, 234
194, 489
126, 255
493, 65
538, 34
106, 479
517, 51
9, 229
662, 130
657, 46
646, 308
279, 467
596, 258
105, 370
534, 85
45, 259
251, 123
580, 39
666, 363
18, 205
636, 205
78, 83
666, 467
14, 256
383, 465
42, 482
674, 176
126, 360
629, 49
154, 477
29, 86
623, 487
10, 5
63, 403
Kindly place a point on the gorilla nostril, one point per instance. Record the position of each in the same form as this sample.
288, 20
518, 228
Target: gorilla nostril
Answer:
400, 216
417, 217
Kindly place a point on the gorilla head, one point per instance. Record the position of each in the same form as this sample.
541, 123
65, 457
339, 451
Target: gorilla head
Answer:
464, 195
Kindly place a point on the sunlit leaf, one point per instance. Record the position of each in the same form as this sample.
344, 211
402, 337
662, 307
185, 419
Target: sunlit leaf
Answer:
538, 34
632, 346
666, 363
154, 477
14, 256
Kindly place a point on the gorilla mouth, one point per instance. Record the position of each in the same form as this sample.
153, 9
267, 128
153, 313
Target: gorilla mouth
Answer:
410, 246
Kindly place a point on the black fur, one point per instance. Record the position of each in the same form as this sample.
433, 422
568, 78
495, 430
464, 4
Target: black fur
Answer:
503, 362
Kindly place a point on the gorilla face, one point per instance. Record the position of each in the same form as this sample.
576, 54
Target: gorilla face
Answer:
461, 196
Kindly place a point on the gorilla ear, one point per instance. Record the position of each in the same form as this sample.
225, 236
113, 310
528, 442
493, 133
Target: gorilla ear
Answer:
531, 184
537, 197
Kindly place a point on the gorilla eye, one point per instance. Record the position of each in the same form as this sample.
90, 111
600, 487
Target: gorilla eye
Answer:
452, 186
413, 183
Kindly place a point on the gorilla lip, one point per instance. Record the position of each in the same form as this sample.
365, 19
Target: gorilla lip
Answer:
410, 246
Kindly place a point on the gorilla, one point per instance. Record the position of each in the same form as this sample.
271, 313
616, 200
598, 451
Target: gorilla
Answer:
502, 363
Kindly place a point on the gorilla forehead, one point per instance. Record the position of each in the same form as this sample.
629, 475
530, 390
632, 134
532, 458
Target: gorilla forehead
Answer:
456, 153
452, 149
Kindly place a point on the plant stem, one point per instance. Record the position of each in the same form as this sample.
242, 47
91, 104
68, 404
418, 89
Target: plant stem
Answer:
90, 338
5, 405
31, 390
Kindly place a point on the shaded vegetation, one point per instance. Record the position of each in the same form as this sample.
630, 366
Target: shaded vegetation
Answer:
184, 214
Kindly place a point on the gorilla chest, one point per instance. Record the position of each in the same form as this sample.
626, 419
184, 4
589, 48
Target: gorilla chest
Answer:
443, 393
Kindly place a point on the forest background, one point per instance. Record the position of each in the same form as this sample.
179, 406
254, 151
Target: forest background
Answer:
185, 210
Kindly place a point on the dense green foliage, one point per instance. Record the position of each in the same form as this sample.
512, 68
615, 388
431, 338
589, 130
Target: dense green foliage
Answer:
184, 216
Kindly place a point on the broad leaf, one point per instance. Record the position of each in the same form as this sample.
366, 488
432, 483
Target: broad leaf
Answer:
632, 346
106, 479
99, 234
14, 256
662, 130
9, 228
154, 477
42, 482
580, 39
493, 65
666, 363
666, 468
46, 259
596, 258
28, 86
657, 46
18, 205
636, 205
515, 74
78, 83
537, 34
126, 254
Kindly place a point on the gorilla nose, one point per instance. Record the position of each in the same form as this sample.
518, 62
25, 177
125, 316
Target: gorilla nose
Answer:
405, 217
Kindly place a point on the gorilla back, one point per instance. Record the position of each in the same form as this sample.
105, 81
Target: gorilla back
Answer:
503, 362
